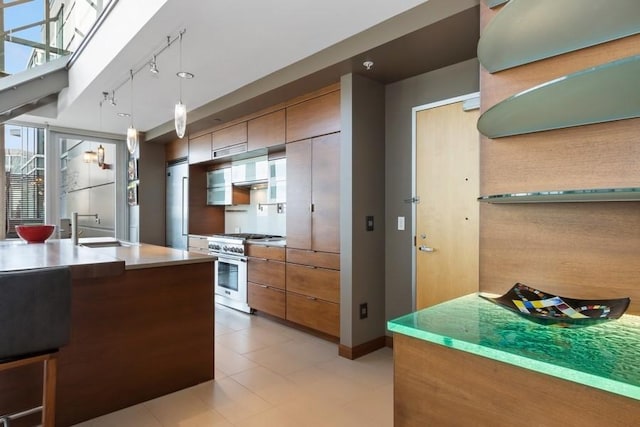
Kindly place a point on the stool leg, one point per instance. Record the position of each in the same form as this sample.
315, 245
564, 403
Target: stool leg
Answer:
49, 391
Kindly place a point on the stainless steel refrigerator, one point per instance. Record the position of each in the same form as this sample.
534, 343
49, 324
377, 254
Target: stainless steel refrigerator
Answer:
177, 226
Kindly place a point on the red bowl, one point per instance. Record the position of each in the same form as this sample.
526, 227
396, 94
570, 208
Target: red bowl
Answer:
35, 233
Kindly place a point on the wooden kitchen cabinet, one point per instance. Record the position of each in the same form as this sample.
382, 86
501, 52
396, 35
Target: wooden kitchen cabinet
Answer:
313, 192
200, 149
232, 135
266, 131
266, 279
267, 299
312, 281
313, 290
314, 313
314, 117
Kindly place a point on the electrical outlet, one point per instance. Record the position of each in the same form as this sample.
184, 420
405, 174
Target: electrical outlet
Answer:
364, 310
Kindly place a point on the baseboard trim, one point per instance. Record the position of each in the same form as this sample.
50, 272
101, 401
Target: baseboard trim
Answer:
361, 349
388, 341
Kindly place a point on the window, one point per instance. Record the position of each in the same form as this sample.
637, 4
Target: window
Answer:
24, 175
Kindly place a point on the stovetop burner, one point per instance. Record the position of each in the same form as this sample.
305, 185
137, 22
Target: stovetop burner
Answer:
233, 243
246, 236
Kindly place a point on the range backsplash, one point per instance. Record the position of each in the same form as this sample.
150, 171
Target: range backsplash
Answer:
256, 217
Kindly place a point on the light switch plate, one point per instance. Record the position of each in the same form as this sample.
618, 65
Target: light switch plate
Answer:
401, 223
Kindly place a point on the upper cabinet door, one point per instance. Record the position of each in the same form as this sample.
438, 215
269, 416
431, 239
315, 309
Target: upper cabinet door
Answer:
266, 131
232, 135
200, 149
315, 117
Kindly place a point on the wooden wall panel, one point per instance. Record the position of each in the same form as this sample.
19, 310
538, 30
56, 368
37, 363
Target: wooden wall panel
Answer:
575, 249
582, 250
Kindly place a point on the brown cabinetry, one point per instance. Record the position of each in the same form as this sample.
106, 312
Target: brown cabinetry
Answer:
200, 149
313, 290
266, 131
314, 313
313, 191
316, 116
232, 135
266, 279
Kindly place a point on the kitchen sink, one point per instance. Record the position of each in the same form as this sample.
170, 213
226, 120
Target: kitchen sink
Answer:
105, 244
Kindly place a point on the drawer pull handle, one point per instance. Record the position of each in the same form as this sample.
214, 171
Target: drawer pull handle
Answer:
264, 286
312, 298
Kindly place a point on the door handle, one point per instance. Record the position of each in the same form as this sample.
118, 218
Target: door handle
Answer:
424, 248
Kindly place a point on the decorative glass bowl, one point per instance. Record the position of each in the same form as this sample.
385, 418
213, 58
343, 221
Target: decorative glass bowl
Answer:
35, 233
548, 309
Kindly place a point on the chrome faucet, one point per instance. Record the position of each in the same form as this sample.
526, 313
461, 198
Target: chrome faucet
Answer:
74, 224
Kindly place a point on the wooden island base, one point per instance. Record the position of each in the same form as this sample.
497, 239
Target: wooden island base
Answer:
439, 386
136, 336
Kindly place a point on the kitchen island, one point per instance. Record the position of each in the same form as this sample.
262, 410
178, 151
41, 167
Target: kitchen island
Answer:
142, 326
470, 362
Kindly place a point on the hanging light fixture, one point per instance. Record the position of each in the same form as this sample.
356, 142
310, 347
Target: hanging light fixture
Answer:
132, 133
153, 66
180, 113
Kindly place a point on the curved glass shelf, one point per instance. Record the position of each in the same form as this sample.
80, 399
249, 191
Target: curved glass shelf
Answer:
604, 93
631, 194
526, 31
493, 3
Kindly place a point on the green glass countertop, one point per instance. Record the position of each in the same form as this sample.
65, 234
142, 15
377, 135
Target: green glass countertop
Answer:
604, 356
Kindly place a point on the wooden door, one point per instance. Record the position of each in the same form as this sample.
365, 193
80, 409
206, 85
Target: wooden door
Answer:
447, 174
325, 191
299, 194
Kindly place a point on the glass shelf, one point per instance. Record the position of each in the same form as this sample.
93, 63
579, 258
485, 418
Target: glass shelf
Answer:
602, 356
604, 93
493, 3
525, 31
567, 196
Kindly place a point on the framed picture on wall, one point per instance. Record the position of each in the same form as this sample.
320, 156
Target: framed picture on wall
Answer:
132, 193
133, 169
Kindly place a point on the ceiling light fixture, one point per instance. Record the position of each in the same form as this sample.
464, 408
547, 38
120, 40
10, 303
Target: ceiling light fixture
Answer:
153, 66
368, 64
132, 133
180, 112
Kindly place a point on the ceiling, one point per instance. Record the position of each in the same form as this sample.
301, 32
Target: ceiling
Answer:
247, 58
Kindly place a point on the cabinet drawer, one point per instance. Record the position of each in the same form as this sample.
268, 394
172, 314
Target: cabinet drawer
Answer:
199, 242
267, 299
313, 281
266, 272
198, 250
317, 259
316, 314
231, 135
276, 253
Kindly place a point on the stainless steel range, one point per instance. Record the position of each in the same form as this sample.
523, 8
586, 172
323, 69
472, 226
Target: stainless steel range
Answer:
230, 275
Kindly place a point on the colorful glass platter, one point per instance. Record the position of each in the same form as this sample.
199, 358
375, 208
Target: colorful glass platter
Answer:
545, 308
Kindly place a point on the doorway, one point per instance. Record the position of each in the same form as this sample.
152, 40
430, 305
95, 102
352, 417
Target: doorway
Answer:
446, 212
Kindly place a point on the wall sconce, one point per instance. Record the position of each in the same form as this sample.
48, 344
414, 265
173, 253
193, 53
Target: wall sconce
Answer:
100, 157
91, 156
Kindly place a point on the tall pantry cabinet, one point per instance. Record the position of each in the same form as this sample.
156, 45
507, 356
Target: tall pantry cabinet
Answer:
313, 216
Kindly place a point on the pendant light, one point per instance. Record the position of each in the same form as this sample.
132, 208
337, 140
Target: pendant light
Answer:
132, 133
180, 112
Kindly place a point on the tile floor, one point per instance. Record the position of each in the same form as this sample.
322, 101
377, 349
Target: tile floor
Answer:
270, 375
